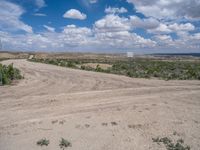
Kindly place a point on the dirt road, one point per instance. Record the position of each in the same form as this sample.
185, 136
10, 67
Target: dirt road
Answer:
95, 111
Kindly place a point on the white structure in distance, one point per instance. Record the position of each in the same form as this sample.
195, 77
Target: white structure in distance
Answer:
130, 54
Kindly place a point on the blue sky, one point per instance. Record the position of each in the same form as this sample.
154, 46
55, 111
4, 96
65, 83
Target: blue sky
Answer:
140, 26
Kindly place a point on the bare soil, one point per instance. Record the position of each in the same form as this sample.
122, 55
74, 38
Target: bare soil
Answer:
95, 111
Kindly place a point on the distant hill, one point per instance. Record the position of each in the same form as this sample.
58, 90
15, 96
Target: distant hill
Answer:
177, 54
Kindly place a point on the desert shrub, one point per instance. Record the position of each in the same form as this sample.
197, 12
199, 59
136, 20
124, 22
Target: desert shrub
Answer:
129, 73
88, 68
83, 67
137, 68
1, 59
43, 142
64, 144
159, 69
71, 64
178, 145
98, 68
8, 73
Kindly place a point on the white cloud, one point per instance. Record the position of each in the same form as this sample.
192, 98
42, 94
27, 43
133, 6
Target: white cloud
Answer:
123, 40
185, 41
40, 3
196, 36
114, 10
51, 29
111, 32
10, 14
39, 14
71, 37
169, 28
74, 14
181, 27
163, 37
87, 39
73, 30
93, 1
87, 3
148, 23
115, 31
164, 41
170, 9
112, 23
76, 36
161, 29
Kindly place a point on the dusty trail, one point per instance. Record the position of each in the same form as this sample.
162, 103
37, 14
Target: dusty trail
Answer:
55, 102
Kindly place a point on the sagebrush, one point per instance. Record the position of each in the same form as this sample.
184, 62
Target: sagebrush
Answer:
8, 74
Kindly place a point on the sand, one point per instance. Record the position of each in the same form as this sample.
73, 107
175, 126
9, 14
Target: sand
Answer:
95, 111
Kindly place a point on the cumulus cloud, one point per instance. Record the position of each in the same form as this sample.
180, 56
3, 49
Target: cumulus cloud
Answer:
71, 37
113, 10
74, 30
116, 32
40, 3
112, 23
76, 36
74, 14
181, 27
51, 29
164, 41
89, 39
184, 42
163, 37
111, 32
161, 29
123, 40
169, 28
148, 23
10, 14
163, 9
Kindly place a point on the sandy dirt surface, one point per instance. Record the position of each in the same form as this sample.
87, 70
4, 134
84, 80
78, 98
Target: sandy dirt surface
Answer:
95, 111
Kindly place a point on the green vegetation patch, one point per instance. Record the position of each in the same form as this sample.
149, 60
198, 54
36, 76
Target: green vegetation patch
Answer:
64, 143
1, 59
137, 68
8, 74
170, 145
43, 142
167, 70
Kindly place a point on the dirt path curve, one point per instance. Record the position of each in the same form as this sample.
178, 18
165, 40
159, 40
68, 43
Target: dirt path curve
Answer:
95, 111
